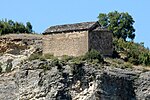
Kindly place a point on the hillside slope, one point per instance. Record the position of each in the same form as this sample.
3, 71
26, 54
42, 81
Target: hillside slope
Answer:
25, 75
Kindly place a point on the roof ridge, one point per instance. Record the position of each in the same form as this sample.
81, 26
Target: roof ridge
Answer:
70, 27
73, 23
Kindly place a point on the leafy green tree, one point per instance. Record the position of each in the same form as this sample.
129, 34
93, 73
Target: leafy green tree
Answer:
19, 28
29, 27
9, 26
121, 24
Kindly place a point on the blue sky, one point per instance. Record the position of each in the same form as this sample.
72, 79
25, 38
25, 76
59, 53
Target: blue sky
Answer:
44, 13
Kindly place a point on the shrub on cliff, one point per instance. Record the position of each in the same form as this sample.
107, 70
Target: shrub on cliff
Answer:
9, 67
35, 56
135, 53
93, 55
49, 56
40, 56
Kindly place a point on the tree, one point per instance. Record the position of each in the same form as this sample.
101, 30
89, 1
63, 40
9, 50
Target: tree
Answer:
121, 24
29, 27
9, 26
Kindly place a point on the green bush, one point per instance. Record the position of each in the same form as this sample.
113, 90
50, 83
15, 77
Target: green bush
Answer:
55, 62
35, 56
136, 52
48, 56
9, 67
77, 60
118, 61
133, 61
42, 58
66, 58
144, 58
92, 55
128, 65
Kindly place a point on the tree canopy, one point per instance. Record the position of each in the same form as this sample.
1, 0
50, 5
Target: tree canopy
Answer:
9, 26
121, 24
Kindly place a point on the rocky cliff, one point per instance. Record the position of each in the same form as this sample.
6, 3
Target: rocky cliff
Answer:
22, 79
44, 80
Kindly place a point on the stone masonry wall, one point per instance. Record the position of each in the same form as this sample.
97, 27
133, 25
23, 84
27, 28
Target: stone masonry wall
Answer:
101, 41
72, 44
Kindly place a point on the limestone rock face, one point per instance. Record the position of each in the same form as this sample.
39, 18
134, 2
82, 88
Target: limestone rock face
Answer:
41, 80
14, 48
17, 43
9, 89
143, 86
